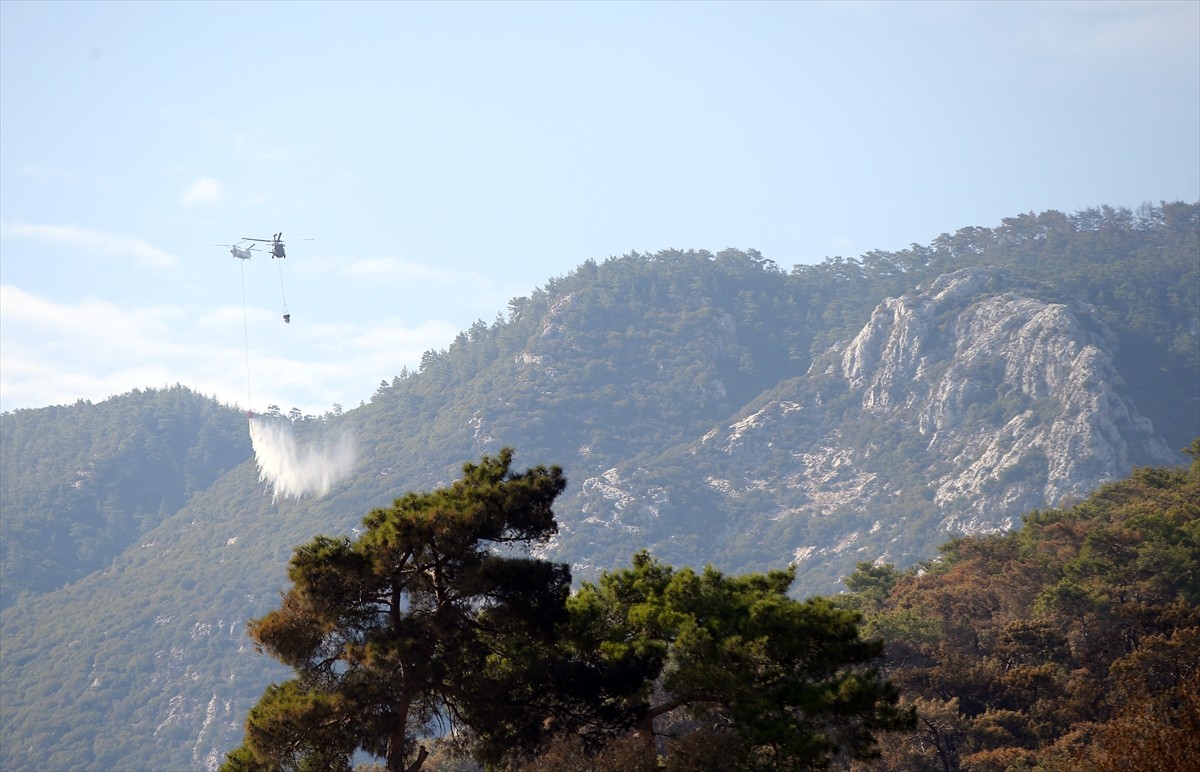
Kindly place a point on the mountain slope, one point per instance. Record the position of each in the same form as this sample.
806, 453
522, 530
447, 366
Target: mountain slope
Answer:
954, 410
82, 483
709, 406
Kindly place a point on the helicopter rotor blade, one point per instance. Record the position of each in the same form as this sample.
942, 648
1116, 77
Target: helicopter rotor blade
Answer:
278, 239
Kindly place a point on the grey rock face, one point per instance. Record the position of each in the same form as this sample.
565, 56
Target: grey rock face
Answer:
960, 406
1015, 396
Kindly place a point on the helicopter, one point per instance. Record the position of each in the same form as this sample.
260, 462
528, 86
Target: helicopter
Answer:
237, 251
276, 242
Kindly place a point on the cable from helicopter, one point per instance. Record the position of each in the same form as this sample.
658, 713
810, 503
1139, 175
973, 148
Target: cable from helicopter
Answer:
244, 255
277, 251
287, 317
246, 337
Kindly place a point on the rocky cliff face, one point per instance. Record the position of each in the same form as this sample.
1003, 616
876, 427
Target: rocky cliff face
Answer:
1016, 395
956, 409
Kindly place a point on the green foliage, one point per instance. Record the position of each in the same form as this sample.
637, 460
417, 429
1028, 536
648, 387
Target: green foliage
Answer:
628, 356
784, 684
420, 620
82, 482
870, 584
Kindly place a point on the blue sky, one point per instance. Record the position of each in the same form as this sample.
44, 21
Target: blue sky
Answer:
447, 157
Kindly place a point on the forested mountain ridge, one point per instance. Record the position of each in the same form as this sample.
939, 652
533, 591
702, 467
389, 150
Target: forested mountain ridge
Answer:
81, 483
693, 399
955, 410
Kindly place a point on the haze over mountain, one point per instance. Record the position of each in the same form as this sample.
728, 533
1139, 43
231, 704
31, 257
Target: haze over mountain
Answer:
711, 407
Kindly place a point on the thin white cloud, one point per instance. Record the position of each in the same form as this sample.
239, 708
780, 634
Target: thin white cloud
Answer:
205, 190
841, 245
395, 268
1143, 33
146, 254
56, 353
39, 172
224, 317
254, 147
464, 291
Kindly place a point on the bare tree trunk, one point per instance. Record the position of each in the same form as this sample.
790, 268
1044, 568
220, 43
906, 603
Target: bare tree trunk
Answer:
397, 749
397, 745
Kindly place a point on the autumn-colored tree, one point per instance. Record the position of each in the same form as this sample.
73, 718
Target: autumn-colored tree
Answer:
1156, 709
1070, 642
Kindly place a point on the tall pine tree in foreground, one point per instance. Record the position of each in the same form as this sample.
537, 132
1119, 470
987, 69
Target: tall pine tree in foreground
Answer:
395, 633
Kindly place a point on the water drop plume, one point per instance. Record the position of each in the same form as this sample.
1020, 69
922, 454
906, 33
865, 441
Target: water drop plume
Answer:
294, 468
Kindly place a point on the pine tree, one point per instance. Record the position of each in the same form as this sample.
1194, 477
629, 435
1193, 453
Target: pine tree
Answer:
404, 630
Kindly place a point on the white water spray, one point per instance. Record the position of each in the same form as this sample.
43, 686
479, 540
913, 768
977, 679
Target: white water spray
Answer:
296, 470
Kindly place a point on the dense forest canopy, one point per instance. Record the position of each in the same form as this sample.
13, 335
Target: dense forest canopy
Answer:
629, 352
83, 482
